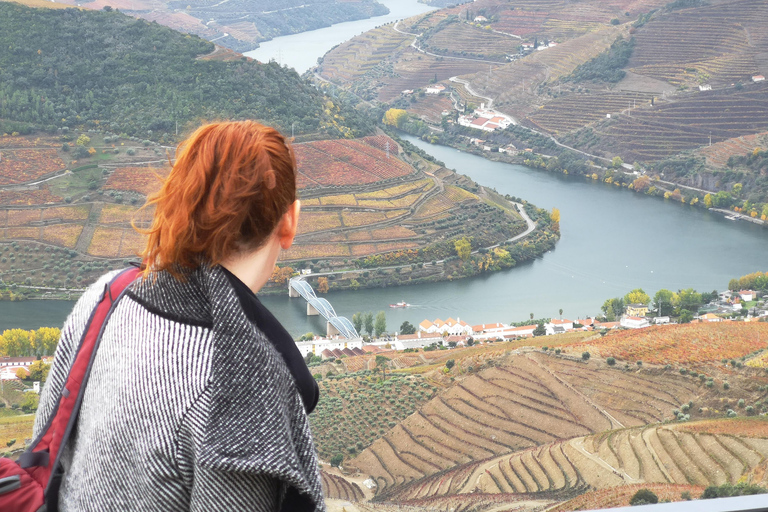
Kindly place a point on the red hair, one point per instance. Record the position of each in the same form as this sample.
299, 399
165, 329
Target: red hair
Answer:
230, 186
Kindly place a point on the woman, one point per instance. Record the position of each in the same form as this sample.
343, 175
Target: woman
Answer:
198, 397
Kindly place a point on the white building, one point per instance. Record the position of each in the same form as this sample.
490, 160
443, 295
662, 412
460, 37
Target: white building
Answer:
556, 326
634, 322
317, 345
447, 328
418, 340
434, 89
758, 78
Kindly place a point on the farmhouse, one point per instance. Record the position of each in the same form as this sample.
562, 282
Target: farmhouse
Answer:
481, 19
710, 317
486, 119
747, 295
758, 78
9, 365
705, 87
434, 89
633, 322
556, 326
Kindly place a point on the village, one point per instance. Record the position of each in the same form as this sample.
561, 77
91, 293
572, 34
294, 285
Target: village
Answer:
742, 306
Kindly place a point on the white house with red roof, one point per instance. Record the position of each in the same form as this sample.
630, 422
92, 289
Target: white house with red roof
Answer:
758, 78
747, 295
634, 322
434, 89
556, 326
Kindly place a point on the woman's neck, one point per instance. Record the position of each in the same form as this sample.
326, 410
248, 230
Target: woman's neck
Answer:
254, 268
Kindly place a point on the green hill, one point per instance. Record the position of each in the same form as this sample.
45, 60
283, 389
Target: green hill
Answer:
108, 70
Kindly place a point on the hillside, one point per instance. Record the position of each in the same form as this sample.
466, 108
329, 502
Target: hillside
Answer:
516, 426
143, 80
67, 202
236, 24
683, 84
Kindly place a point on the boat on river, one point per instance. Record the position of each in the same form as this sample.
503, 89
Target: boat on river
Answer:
401, 304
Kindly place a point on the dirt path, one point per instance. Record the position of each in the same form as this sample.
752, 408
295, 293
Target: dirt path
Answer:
655, 456
614, 422
578, 444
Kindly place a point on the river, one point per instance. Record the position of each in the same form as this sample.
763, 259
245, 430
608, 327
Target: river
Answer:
301, 51
613, 240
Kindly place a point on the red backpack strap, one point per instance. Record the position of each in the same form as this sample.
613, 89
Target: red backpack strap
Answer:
42, 457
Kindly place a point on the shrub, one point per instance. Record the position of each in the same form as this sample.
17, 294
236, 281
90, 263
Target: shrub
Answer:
726, 386
585, 356
741, 402
611, 361
644, 497
726, 490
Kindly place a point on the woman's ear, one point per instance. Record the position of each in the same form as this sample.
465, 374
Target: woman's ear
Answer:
288, 225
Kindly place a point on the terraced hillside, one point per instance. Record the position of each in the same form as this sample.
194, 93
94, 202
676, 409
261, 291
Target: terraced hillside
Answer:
361, 198
523, 402
668, 454
654, 133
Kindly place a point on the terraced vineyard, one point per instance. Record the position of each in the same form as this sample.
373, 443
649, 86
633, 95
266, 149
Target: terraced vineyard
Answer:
642, 455
576, 111
713, 43
717, 154
682, 344
620, 496
669, 128
524, 402
336, 487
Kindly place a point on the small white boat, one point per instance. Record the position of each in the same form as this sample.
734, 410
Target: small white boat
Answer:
401, 304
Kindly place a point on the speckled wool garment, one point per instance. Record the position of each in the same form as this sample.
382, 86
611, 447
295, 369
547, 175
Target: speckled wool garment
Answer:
188, 406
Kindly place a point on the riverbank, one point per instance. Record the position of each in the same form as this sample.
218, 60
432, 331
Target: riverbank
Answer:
522, 146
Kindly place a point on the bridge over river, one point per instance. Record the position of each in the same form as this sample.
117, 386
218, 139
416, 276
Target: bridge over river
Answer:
337, 325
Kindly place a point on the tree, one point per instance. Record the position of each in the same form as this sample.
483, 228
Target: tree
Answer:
39, 370
540, 330
30, 402
736, 189
395, 117
368, 321
322, 285
637, 296
613, 308
450, 363
644, 497
708, 200
561, 313
688, 299
685, 316
662, 299
463, 248
531, 315
611, 361
555, 215
336, 460
83, 140
585, 356
357, 321
407, 328
617, 162
22, 374
381, 323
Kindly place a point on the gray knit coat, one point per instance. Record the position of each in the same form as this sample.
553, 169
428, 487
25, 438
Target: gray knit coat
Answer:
188, 406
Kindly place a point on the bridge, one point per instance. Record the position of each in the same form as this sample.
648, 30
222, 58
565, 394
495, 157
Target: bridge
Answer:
340, 325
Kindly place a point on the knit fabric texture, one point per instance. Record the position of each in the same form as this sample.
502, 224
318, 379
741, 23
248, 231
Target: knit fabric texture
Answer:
188, 405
